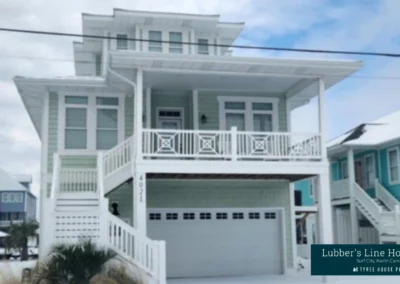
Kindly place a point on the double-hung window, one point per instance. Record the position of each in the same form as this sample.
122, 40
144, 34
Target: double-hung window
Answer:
248, 114
393, 163
18, 197
91, 123
106, 122
76, 118
155, 44
370, 171
122, 41
202, 47
5, 197
175, 45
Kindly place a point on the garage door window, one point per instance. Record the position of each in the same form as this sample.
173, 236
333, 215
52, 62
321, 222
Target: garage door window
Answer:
188, 216
270, 215
172, 216
254, 215
205, 216
155, 216
238, 216
222, 216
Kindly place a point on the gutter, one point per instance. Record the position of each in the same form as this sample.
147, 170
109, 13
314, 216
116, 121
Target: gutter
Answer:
122, 78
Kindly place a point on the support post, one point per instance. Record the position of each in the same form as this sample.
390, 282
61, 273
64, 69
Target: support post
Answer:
148, 107
353, 209
324, 216
140, 202
321, 115
138, 114
162, 260
195, 97
234, 143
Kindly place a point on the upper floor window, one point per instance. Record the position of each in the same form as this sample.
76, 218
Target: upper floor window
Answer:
12, 197
370, 170
76, 112
122, 41
250, 114
202, 47
155, 38
92, 123
393, 163
176, 42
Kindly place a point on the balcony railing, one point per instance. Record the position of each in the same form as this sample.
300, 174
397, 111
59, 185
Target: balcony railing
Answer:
340, 189
231, 145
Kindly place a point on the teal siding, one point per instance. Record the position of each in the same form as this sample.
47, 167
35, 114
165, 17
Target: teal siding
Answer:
393, 188
183, 100
304, 187
208, 105
335, 174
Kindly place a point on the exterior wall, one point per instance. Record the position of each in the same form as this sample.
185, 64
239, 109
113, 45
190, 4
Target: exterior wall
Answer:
30, 206
52, 129
223, 193
335, 173
123, 195
304, 187
394, 188
14, 206
208, 105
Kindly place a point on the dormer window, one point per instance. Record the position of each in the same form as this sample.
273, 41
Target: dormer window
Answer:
122, 41
202, 47
176, 42
155, 41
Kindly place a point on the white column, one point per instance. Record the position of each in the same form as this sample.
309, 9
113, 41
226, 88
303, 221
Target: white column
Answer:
288, 116
293, 227
353, 209
138, 114
148, 107
195, 97
324, 210
321, 115
140, 199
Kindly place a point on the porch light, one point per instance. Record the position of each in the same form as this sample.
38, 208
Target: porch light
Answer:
203, 119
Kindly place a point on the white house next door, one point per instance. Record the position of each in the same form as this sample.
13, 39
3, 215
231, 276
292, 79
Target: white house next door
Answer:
217, 242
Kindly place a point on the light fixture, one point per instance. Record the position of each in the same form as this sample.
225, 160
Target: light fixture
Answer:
203, 119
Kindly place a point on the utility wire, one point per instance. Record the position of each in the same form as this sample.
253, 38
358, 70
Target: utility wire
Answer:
65, 60
384, 54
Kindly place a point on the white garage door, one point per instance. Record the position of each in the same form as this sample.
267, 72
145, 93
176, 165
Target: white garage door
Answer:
219, 242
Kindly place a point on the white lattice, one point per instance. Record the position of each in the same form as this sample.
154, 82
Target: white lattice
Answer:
71, 227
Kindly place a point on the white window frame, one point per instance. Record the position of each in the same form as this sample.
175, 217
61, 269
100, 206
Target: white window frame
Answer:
18, 197
203, 46
118, 47
367, 184
5, 198
342, 164
388, 164
248, 112
174, 46
151, 45
91, 122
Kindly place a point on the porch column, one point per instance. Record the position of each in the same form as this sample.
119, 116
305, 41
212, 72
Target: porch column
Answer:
353, 209
324, 215
321, 115
140, 202
195, 97
148, 107
138, 114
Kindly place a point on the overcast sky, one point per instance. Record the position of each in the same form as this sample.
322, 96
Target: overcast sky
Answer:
364, 25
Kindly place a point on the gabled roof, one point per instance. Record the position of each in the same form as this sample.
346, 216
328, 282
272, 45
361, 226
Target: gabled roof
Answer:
8, 183
377, 132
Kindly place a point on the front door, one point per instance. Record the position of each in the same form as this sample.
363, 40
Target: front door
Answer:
358, 172
169, 141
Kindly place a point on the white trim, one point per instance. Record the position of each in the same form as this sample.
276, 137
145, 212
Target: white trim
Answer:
360, 159
248, 112
195, 97
181, 117
379, 165
367, 184
395, 148
91, 127
293, 223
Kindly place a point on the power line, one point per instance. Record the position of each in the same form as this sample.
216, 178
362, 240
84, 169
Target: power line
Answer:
65, 60
302, 50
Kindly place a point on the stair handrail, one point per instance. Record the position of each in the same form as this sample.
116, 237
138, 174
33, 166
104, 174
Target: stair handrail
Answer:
127, 143
367, 202
385, 196
149, 255
55, 182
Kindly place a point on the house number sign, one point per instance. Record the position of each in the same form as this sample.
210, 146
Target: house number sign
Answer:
141, 187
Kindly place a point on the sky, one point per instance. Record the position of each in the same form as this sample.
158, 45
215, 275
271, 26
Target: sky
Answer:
363, 25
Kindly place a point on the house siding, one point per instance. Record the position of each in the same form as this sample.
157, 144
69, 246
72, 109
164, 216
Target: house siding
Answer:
304, 187
12, 206
84, 162
208, 105
52, 129
128, 116
393, 188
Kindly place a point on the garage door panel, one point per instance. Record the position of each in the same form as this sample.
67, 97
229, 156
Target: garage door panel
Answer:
219, 242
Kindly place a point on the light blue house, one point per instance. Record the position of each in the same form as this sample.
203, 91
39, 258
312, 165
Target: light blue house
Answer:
365, 187
17, 203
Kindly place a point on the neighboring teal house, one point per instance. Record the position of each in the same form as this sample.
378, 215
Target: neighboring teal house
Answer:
365, 186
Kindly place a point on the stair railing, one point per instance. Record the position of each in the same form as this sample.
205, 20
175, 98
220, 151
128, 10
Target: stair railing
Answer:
385, 196
367, 202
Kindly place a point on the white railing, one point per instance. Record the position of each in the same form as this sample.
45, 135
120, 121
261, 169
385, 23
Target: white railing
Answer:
367, 202
385, 196
147, 254
233, 144
340, 189
389, 223
117, 157
78, 180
